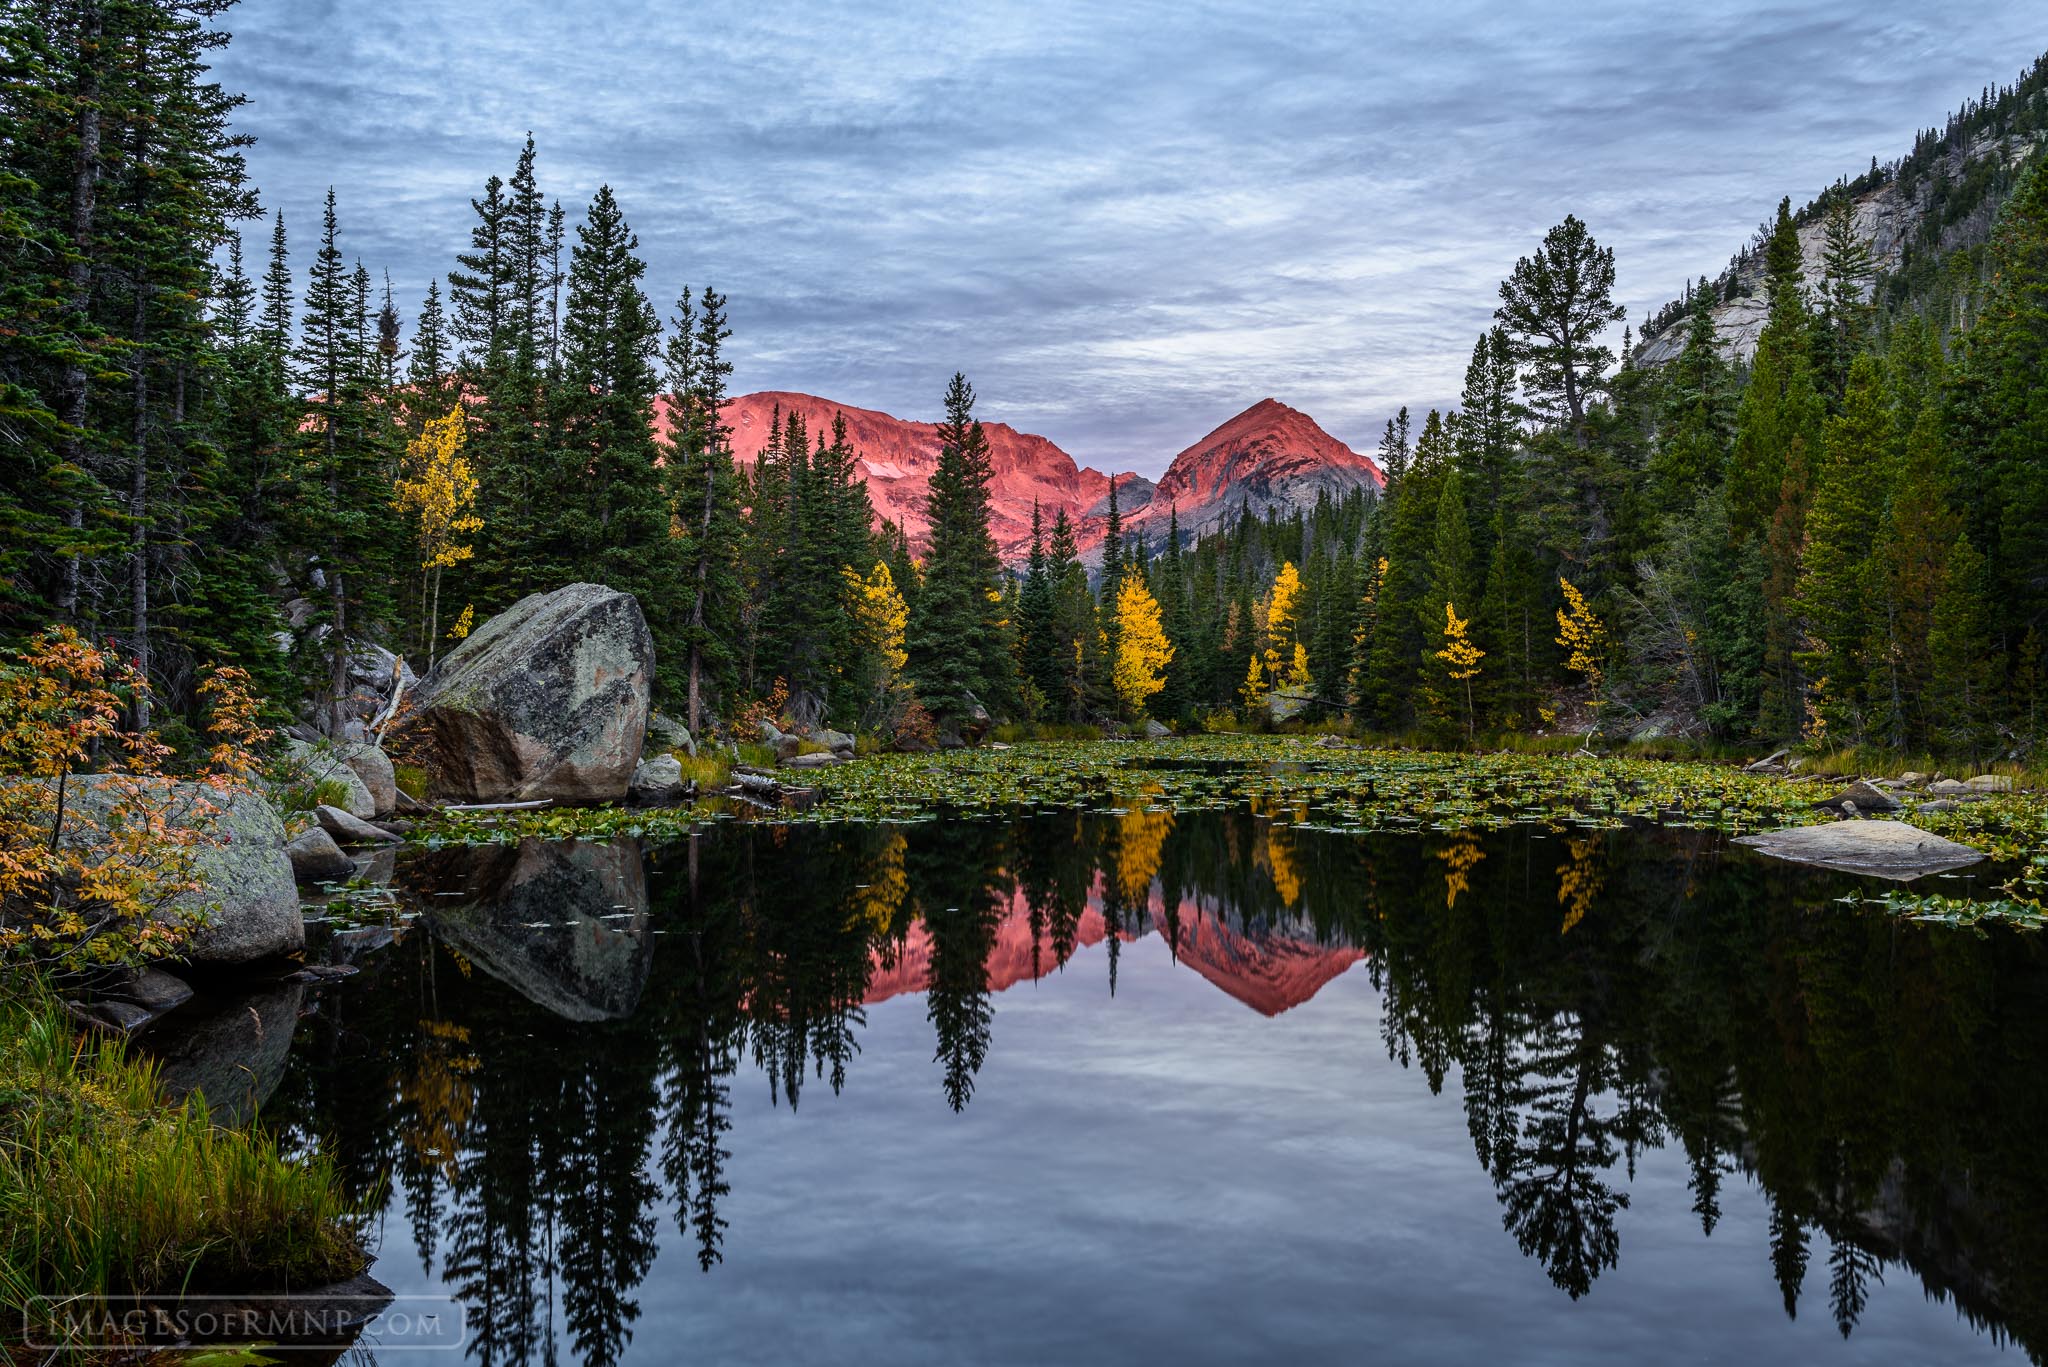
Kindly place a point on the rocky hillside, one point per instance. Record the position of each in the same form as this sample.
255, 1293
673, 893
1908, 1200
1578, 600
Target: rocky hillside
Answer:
1918, 213
1269, 456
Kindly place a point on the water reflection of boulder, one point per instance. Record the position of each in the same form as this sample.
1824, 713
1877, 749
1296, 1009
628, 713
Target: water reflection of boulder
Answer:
563, 923
233, 1054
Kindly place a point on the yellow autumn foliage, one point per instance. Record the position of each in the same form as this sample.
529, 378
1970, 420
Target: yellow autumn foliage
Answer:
1142, 650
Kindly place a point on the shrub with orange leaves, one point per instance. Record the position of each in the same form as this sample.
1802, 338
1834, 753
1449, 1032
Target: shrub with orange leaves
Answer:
87, 883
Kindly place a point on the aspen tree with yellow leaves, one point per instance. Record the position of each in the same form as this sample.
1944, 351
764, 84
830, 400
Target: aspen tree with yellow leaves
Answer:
1461, 658
880, 618
438, 488
1582, 636
1142, 650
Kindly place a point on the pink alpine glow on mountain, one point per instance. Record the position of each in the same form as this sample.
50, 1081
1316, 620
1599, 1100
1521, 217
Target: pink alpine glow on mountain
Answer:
1269, 456
1271, 969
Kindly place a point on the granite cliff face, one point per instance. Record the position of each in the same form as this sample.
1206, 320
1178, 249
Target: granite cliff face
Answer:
1269, 456
1920, 212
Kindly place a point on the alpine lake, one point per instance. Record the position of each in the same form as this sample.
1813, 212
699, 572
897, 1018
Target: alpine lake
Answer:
1221, 1050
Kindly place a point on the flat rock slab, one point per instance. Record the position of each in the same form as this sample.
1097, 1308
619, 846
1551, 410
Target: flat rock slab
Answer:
1882, 849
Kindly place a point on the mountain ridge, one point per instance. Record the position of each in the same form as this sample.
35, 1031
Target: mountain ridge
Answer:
1268, 456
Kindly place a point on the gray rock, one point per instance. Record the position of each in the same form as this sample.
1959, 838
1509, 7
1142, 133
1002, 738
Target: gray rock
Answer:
1948, 787
1883, 849
246, 906
770, 733
817, 759
1912, 778
350, 830
1862, 797
838, 742
153, 988
317, 859
1989, 783
976, 723
373, 667
563, 923
1285, 706
1155, 730
327, 762
786, 746
234, 1056
123, 1016
372, 767
1940, 804
657, 781
666, 735
548, 699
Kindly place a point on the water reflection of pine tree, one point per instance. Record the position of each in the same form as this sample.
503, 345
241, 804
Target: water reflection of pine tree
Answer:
955, 883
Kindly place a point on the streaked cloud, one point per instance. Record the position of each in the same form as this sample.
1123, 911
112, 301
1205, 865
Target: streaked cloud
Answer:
1125, 222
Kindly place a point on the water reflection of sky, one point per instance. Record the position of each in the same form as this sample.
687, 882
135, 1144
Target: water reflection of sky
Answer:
1166, 1176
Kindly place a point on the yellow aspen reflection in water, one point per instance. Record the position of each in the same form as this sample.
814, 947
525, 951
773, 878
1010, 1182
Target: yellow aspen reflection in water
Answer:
1460, 858
1578, 881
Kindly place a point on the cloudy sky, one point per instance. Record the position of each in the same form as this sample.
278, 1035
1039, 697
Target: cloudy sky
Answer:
1126, 220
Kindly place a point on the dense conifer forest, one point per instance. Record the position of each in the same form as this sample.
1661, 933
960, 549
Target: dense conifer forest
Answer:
214, 457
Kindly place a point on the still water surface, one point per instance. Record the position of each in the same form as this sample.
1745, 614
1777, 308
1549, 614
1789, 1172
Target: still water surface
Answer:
1202, 1088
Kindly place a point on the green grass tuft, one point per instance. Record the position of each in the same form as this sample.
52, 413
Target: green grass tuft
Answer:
107, 1189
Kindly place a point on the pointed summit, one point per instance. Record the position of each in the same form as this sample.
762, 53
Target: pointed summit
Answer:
1269, 456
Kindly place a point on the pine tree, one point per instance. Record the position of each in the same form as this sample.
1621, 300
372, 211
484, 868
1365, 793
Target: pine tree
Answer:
609, 507
344, 500
705, 496
958, 645
480, 289
1777, 435
1555, 305
1836, 588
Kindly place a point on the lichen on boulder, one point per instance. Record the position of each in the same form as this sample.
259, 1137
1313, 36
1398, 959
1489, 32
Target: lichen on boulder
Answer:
548, 699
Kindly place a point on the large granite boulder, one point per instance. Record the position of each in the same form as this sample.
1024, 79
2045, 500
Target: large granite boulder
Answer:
1883, 849
563, 923
548, 699
247, 899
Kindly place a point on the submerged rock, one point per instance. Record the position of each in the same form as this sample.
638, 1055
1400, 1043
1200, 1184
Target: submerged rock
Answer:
563, 923
1883, 849
548, 699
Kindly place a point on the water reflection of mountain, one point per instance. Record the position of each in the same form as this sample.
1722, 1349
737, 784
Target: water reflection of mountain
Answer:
1269, 966
1586, 998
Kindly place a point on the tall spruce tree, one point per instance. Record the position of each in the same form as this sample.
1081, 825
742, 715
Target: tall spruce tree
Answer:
957, 640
